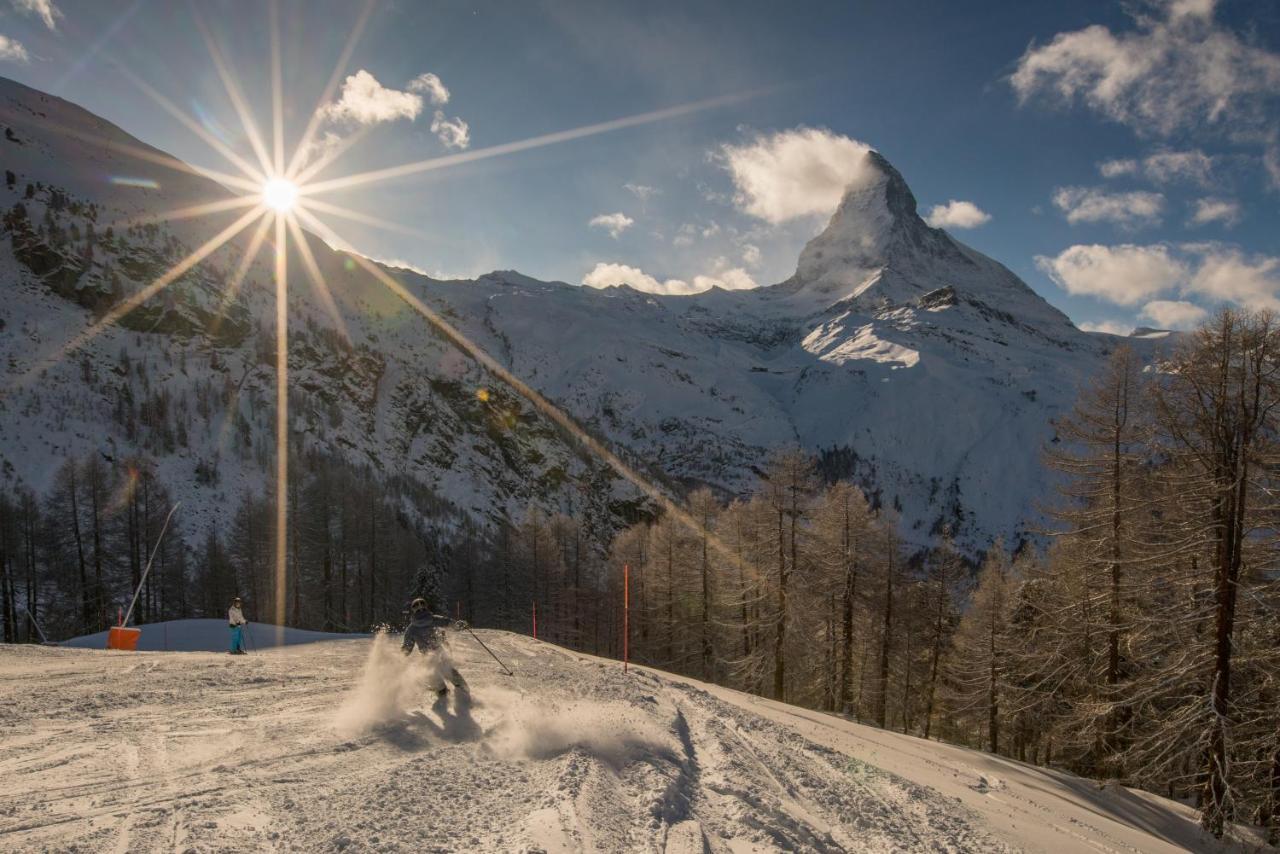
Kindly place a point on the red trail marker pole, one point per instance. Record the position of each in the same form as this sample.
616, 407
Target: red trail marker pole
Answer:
626, 616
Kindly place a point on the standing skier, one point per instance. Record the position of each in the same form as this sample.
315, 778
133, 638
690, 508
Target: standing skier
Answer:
424, 632
235, 618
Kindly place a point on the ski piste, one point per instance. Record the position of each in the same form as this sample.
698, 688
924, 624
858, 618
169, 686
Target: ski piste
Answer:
340, 744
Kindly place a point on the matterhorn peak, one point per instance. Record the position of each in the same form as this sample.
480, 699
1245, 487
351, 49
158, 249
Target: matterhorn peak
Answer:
875, 227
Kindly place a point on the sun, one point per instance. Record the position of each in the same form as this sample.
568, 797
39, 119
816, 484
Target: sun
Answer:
280, 194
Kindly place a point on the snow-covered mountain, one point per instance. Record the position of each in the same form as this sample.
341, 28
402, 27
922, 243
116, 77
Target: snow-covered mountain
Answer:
909, 361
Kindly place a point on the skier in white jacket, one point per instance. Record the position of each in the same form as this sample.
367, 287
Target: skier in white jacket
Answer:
235, 618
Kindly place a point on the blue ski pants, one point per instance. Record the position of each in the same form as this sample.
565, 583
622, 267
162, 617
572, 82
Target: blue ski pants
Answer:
237, 638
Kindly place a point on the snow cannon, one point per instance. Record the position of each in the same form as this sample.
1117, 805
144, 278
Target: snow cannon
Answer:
123, 637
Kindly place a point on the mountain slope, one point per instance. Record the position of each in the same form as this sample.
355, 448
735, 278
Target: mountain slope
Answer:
339, 746
921, 368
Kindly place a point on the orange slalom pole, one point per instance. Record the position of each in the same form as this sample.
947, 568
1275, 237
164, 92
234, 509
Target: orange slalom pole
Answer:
626, 616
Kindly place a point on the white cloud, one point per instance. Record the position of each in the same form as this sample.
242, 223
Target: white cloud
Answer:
1173, 314
957, 214
454, 133
726, 277
1207, 210
1111, 327
751, 255
734, 279
1166, 166
1091, 204
1124, 274
1208, 272
1175, 70
1226, 273
1163, 167
641, 191
365, 101
430, 85
45, 9
614, 223
1116, 168
605, 275
11, 50
685, 234
795, 173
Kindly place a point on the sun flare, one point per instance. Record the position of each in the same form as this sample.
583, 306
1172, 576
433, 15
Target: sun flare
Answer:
280, 190
279, 194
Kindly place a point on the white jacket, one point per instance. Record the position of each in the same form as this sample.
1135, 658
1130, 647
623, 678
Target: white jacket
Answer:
236, 617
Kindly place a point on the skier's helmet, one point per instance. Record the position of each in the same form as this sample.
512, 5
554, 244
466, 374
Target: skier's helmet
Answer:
417, 605
235, 601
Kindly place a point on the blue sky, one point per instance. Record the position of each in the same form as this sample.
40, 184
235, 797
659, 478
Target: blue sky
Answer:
1123, 159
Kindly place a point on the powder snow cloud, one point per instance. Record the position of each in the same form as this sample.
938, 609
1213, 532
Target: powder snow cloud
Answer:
795, 173
957, 214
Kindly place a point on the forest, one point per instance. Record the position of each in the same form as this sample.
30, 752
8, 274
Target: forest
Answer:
1135, 638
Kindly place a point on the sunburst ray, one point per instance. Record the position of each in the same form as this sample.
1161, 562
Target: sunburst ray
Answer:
143, 154
314, 205
331, 154
406, 169
318, 282
561, 418
282, 416
238, 102
241, 273
171, 275
296, 162
196, 128
277, 93
189, 212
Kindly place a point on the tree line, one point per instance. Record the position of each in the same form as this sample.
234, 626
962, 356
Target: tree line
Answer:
1137, 640
71, 559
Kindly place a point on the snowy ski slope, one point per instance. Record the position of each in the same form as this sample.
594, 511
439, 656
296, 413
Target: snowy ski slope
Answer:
339, 746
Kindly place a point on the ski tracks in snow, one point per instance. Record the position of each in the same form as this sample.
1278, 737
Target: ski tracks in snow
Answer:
341, 747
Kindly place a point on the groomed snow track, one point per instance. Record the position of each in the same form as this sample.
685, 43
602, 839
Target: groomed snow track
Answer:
339, 746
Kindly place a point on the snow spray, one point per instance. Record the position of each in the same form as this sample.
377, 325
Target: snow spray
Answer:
615, 733
391, 684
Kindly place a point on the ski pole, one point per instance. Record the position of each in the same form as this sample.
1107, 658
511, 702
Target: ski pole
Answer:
504, 667
248, 637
